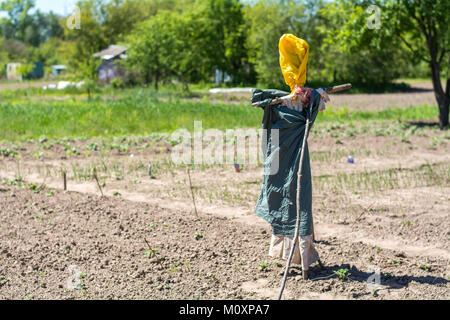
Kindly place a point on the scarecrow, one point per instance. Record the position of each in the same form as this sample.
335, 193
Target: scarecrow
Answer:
286, 194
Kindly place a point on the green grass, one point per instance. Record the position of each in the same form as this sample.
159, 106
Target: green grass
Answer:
437, 174
141, 112
98, 118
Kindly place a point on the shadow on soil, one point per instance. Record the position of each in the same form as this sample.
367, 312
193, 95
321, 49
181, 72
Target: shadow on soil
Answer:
388, 281
415, 90
423, 124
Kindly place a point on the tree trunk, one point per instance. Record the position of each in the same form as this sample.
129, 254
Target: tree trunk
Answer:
444, 108
147, 79
442, 98
156, 80
186, 86
443, 114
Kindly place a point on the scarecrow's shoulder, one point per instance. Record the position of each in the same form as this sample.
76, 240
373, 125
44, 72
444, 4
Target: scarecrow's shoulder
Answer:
259, 95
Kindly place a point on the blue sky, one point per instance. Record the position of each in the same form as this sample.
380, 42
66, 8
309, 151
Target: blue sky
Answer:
58, 6
62, 7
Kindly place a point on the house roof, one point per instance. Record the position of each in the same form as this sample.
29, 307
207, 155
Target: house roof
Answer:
111, 52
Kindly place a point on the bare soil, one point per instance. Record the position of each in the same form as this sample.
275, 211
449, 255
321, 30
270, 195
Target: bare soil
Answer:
196, 258
142, 240
421, 93
24, 84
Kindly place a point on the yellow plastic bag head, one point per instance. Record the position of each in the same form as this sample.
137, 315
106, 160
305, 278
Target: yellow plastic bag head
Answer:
294, 53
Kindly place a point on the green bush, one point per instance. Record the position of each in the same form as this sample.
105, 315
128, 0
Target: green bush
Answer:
117, 83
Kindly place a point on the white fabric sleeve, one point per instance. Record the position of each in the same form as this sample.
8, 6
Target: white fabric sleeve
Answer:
290, 103
323, 100
297, 104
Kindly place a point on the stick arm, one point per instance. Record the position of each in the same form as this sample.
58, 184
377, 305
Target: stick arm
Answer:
335, 89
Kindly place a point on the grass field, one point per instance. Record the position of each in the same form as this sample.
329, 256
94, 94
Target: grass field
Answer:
22, 117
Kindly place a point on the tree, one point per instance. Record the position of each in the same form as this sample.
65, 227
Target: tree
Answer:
423, 27
193, 60
91, 37
3, 59
153, 47
42, 27
204, 40
19, 19
227, 36
267, 21
107, 22
16, 50
50, 52
121, 16
355, 51
89, 73
189, 43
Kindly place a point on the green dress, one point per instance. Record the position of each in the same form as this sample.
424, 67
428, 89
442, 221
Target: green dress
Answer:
277, 202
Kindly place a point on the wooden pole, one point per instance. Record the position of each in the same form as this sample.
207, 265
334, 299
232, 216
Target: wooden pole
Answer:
192, 190
334, 89
65, 180
297, 224
94, 174
152, 252
339, 88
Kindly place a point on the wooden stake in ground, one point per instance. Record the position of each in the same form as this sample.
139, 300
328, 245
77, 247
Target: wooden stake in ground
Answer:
153, 252
297, 224
148, 244
192, 190
94, 174
43, 182
65, 180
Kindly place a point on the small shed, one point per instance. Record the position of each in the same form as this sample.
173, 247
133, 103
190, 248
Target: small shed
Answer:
57, 69
110, 68
13, 71
37, 72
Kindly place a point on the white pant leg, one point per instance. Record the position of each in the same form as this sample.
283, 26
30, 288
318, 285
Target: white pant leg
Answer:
280, 247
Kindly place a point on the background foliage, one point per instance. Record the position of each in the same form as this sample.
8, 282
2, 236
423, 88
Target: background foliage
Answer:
185, 41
